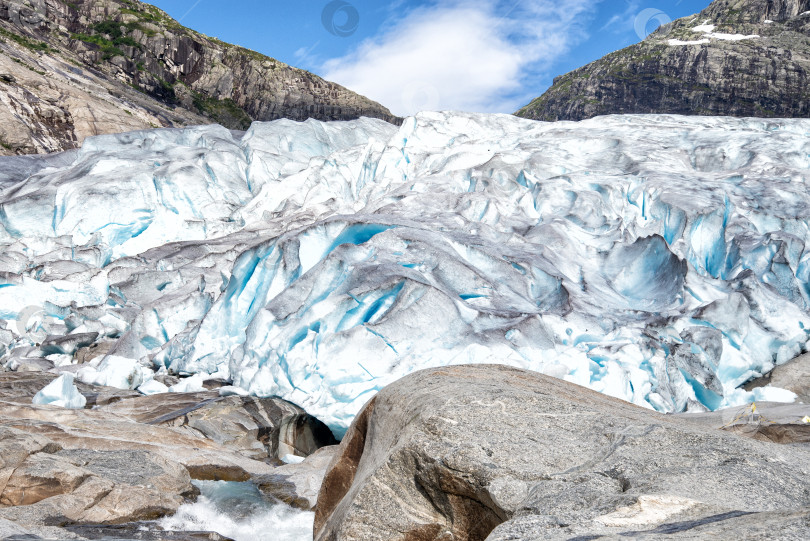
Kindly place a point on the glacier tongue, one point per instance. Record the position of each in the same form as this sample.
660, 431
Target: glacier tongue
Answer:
659, 259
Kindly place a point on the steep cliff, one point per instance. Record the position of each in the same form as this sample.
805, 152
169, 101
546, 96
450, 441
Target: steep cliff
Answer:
736, 57
73, 69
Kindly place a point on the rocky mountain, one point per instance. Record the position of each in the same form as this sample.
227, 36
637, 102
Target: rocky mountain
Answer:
69, 70
736, 57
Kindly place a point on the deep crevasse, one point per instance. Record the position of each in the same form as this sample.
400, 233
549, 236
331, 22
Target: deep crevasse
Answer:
660, 259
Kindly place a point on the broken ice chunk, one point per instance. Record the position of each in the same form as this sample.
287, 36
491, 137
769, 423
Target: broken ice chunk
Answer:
61, 392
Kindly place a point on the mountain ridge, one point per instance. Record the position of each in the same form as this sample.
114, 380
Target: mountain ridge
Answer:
69, 69
736, 58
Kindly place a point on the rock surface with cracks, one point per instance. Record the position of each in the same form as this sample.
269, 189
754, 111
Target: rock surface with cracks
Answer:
491, 452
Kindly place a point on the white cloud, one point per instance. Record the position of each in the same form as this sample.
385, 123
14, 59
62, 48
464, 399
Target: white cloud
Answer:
462, 54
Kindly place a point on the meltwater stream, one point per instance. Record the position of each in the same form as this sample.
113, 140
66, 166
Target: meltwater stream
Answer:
240, 512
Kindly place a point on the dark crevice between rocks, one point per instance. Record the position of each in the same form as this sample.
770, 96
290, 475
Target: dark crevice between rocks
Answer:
471, 512
676, 527
341, 472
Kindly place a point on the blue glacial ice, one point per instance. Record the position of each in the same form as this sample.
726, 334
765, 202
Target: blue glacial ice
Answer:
660, 259
61, 392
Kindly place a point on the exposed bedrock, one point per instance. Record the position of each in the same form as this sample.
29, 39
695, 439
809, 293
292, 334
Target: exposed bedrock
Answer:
133, 459
793, 376
474, 452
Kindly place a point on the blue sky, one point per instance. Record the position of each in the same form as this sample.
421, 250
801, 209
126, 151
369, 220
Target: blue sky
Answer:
410, 55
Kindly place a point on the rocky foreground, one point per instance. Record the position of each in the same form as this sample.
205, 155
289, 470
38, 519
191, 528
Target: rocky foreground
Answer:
127, 458
497, 453
457, 453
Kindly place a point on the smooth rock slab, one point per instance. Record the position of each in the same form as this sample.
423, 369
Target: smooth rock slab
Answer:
773, 421
452, 453
107, 431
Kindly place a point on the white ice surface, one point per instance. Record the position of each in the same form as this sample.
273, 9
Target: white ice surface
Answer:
152, 386
61, 392
114, 371
660, 259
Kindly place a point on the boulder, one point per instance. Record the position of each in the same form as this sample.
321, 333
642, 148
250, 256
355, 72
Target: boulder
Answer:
794, 376
467, 452
298, 484
106, 431
141, 531
42, 484
258, 428
41, 476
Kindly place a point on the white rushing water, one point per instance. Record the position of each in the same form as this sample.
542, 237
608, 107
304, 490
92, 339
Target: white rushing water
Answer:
240, 512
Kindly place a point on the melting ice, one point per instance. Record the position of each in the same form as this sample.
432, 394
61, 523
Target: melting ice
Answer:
660, 259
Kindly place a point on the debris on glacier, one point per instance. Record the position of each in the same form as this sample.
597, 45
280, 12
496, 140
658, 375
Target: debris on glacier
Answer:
61, 392
659, 259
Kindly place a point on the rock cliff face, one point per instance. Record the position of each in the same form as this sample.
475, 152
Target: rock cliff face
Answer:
69, 70
736, 57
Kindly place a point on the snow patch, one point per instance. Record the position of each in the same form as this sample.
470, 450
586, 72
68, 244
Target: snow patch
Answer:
708, 31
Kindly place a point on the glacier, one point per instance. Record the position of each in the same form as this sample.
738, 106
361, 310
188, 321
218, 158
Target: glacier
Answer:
660, 259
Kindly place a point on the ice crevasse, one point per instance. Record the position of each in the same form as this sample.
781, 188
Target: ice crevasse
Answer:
659, 259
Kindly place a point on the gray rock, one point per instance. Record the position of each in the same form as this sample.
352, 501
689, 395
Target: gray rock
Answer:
454, 452
763, 76
42, 484
257, 428
12, 531
141, 531
298, 484
105, 431
60, 87
769, 421
794, 376
739, 525
67, 344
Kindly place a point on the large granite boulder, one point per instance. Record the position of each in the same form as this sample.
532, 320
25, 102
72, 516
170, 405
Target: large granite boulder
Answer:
477, 452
